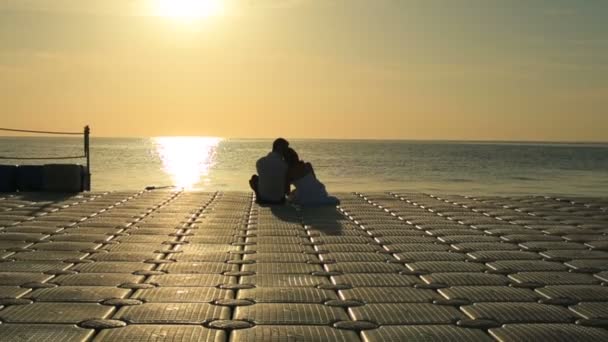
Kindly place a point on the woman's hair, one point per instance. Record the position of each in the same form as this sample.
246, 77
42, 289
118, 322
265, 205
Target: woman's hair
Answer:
280, 145
291, 157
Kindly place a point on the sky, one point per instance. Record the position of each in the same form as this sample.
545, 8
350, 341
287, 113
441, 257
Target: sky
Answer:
534, 70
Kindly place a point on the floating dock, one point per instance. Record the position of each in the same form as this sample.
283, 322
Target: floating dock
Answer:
195, 266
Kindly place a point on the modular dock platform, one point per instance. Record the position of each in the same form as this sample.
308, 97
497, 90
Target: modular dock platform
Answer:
195, 266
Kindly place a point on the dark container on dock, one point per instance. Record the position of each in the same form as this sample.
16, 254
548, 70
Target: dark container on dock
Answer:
8, 178
63, 177
30, 178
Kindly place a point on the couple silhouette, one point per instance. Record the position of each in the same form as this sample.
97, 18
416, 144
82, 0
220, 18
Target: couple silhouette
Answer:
282, 168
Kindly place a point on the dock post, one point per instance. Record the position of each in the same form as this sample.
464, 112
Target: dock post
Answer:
87, 180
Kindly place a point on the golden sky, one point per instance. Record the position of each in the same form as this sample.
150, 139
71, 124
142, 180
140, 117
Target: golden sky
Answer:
398, 69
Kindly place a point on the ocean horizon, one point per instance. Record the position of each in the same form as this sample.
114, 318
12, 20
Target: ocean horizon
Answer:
433, 166
430, 140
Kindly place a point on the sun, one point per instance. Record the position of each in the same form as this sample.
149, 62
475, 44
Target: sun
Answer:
189, 9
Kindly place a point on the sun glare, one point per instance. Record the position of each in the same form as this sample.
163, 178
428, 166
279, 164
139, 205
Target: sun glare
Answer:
187, 159
189, 9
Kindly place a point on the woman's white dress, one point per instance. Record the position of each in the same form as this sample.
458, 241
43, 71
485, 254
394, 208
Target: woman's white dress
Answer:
311, 192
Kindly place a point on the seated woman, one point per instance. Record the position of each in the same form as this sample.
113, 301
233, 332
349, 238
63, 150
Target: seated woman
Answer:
309, 191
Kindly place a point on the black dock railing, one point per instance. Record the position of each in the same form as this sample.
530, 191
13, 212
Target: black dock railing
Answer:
86, 135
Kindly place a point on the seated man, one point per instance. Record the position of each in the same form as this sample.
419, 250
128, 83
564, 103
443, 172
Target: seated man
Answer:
270, 184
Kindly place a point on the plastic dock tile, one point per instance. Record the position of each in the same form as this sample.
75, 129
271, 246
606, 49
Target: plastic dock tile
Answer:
290, 314
44, 332
465, 279
514, 266
486, 256
287, 295
96, 279
112, 267
372, 295
446, 266
77, 236
603, 276
198, 268
270, 248
592, 310
282, 268
543, 245
519, 313
279, 333
424, 333
92, 294
48, 255
284, 280
191, 280
12, 291
402, 313
54, 313
480, 294
280, 257
155, 333
375, 280
365, 267
27, 237
131, 247
554, 278
20, 278
125, 256
64, 246
430, 256
205, 257
485, 246
568, 254
548, 332
579, 293
172, 313
357, 257
182, 295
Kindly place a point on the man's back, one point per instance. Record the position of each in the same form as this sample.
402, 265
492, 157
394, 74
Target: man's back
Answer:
272, 172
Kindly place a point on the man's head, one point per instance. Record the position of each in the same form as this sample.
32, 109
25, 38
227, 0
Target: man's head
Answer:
280, 146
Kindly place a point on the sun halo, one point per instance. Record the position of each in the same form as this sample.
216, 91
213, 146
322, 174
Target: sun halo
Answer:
188, 10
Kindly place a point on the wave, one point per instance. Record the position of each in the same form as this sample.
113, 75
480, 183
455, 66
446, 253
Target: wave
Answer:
523, 178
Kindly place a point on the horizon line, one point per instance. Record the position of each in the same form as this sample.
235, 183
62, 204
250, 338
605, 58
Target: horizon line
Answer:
331, 139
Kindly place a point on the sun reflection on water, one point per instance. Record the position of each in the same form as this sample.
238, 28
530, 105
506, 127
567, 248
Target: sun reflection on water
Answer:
187, 159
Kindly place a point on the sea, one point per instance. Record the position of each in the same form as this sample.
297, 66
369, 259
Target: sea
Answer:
436, 167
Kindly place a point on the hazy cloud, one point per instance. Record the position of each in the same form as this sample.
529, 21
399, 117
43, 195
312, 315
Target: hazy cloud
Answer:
276, 3
123, 7
63, 5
